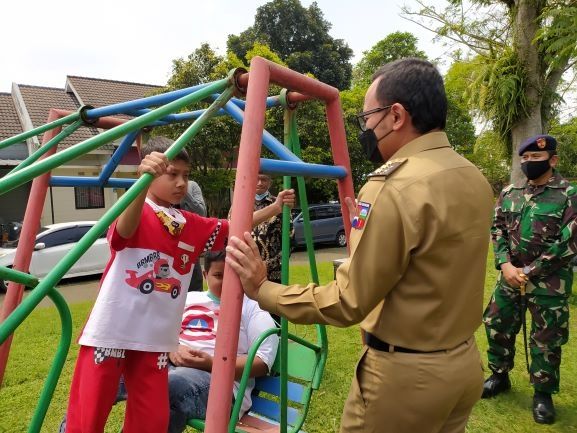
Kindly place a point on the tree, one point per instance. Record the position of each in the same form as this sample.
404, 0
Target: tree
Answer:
394, 46
300, 37
522, 49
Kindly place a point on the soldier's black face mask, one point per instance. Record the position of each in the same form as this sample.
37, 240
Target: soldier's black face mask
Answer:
370, 143
535, 169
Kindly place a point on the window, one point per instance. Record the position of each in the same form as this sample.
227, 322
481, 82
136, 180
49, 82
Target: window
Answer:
324, 213
88, 197
60, 237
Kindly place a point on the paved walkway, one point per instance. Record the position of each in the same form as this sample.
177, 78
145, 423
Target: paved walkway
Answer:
86, 288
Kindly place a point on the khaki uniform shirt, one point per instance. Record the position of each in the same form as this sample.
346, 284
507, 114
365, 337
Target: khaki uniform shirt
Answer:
416, 272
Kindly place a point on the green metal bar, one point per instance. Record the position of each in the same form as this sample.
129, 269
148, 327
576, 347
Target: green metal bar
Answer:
26, 307
285, 256
18, 277
246, 376
296, 148
36, 131
57, 364
321, 329
57, 139
14, 180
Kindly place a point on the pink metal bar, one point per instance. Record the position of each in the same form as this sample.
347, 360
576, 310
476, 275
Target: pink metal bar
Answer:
27, 240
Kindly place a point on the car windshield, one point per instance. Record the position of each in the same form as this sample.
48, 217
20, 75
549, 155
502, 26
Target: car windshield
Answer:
11, 234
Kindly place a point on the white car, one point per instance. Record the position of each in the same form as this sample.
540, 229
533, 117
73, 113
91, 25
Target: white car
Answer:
52, 244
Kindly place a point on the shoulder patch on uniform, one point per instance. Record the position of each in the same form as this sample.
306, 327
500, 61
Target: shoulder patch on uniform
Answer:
360, 219
388, 168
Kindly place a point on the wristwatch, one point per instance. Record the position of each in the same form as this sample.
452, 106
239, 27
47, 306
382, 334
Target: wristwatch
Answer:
526, 270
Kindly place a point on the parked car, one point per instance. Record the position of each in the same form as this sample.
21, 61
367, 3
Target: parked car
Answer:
52, 244
326, 225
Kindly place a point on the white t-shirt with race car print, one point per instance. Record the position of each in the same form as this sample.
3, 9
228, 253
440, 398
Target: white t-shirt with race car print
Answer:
143, 289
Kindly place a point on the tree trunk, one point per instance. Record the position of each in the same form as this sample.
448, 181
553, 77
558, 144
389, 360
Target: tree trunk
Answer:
526, 25
522, 130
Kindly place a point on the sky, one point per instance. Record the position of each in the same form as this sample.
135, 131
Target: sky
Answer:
41, 42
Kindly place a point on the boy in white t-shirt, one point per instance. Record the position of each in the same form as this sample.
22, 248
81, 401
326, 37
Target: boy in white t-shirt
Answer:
136, 318
189, 377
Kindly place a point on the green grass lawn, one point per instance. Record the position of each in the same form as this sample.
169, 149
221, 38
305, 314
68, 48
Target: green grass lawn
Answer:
36, 340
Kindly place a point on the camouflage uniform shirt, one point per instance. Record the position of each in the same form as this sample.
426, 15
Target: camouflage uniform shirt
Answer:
536, 226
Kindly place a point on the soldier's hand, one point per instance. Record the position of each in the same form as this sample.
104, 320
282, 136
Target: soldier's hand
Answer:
513, 275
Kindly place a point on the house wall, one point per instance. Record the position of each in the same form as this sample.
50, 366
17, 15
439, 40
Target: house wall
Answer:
64, 200
13, 203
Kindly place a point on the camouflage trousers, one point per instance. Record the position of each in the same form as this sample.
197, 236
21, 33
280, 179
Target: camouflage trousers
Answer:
549, 331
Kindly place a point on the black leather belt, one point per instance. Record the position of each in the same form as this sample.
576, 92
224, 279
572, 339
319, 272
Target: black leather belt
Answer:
377, 344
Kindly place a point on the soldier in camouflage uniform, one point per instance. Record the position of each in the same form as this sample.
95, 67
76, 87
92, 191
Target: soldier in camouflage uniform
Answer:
534, 237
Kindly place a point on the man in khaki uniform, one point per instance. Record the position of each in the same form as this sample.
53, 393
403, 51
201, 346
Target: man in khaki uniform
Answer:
416, 273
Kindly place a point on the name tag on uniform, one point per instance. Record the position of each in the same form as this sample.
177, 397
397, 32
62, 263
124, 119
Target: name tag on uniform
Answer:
360, 220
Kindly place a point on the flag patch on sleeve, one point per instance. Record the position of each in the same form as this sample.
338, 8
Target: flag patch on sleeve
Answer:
360, 220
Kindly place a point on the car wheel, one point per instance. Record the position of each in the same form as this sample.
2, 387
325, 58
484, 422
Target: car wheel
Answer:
341, 239
146, 287
174, 292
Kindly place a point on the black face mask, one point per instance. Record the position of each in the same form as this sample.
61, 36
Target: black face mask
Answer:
535, 169
370, 143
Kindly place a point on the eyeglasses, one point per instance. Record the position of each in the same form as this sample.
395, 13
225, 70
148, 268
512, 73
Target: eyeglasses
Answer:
362, 117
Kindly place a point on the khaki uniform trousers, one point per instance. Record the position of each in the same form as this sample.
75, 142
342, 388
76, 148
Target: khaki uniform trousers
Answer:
395, 392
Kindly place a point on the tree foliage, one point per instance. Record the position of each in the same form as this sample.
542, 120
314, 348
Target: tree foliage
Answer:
300, 37
566, 135
521, 50
394, 46
491, 158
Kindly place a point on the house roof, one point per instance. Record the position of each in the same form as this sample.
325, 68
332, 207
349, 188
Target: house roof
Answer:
99, 92
9, 127
39, 100
9, 122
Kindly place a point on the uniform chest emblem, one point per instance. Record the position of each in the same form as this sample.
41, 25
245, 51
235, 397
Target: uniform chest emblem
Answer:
360, 220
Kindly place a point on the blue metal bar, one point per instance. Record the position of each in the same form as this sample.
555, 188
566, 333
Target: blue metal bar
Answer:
136, 104
114, 182
116, 157
292, 168
271, 101
268, 140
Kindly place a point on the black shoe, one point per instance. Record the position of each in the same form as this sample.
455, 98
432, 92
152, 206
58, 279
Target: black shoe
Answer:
543, 409
496, 384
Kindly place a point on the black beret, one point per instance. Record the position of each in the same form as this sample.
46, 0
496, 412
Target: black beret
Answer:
537, 143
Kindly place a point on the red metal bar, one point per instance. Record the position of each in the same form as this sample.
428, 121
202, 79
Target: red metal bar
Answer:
30, 226
262, 73
338, 138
